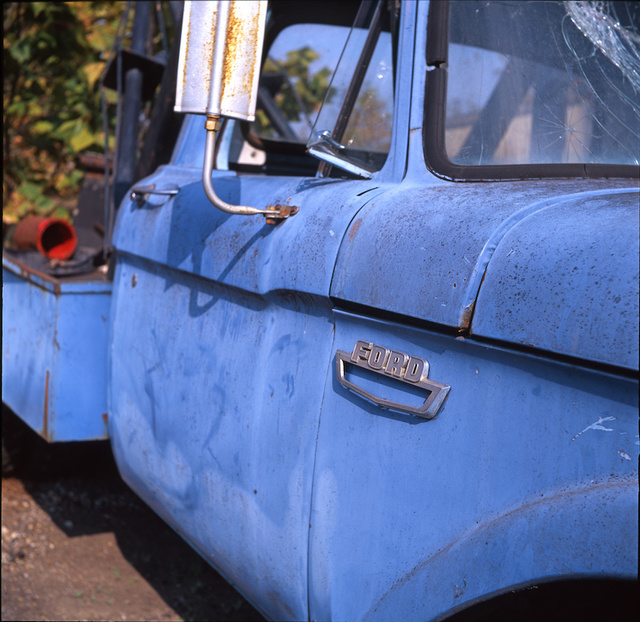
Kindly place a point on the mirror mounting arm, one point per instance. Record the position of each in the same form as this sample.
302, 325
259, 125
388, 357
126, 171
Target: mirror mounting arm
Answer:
273, 213
218, 71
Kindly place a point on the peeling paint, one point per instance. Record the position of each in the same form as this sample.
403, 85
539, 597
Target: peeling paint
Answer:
597, 425
459, 590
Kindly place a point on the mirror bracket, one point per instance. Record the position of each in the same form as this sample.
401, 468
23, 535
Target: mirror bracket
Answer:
218, 70
273, 213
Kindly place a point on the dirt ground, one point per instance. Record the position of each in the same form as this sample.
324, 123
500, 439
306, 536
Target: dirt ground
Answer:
77, 544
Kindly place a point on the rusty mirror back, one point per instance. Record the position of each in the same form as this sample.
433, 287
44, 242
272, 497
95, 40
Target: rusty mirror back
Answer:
220, 54
218, 73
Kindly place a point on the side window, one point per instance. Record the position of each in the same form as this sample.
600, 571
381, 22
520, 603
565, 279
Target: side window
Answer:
353, 130
294, 82
320, 83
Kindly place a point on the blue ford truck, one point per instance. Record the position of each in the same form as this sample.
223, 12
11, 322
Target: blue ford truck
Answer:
368, 338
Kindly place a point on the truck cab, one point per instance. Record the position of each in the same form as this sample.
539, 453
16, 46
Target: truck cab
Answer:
418, 391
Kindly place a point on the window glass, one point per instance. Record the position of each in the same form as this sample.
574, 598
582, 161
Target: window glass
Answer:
353, 129
543, 82
369, 126
294, 80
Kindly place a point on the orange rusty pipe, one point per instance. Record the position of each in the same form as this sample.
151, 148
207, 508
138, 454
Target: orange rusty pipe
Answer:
53, 237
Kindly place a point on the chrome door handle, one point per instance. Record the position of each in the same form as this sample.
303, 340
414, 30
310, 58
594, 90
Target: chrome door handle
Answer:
140, 193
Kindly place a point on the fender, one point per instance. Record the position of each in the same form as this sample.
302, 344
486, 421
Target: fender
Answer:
589, 529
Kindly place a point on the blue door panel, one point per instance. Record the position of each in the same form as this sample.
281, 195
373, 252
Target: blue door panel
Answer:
190, 234
215, 406
222, 340
394, 494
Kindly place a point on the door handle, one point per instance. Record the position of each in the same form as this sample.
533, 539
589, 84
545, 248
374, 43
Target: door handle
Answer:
139, 194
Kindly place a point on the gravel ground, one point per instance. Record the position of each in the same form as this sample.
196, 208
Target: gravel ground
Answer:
77, 544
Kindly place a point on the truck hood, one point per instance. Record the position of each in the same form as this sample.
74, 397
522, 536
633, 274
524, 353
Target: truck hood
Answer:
504, 261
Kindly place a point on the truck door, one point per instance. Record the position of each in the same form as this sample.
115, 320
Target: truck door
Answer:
222, 334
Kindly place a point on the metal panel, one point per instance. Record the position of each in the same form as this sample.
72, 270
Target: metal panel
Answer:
440, 240
222, 340
215, 395
566, 280
54, 344
185, 233
220, 50
529, 471
559, 536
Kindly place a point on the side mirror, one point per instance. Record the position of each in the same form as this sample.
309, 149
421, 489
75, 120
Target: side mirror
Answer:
220, 53
218, 73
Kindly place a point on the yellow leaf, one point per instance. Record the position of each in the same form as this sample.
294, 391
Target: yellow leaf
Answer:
93, 71
42, 127
82, 140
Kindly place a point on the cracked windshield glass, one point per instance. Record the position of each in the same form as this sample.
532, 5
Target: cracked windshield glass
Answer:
543, 82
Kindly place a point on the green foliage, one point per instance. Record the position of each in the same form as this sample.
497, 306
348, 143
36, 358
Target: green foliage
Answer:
53, 56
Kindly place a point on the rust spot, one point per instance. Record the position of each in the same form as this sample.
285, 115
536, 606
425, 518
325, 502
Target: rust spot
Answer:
186, 56
354, 229
207, 52
465, 319
45, 416
27, 273
134, 280
234, 34
241, 36
105, 418
281, 212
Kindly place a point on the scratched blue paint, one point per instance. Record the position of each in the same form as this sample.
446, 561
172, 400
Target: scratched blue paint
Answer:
442, 240
54, 340
566, 280
395, 496
208, 389
207, 383
213, 423
572, 525
226, 417
188, 234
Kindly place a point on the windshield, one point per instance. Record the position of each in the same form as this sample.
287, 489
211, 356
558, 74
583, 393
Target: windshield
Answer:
538, 83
